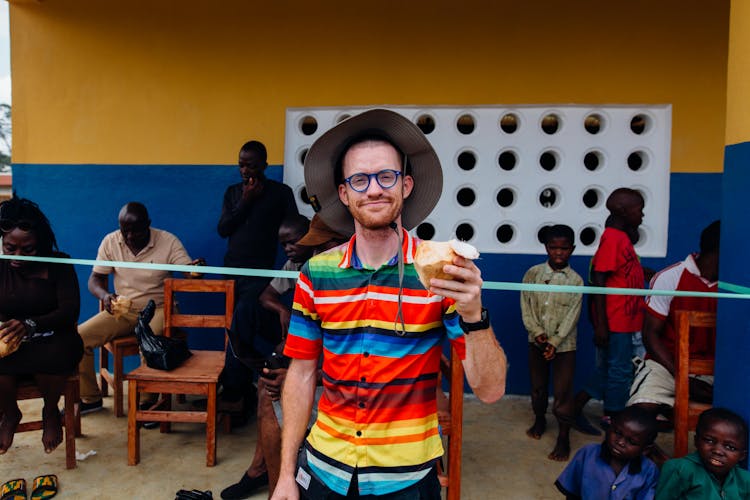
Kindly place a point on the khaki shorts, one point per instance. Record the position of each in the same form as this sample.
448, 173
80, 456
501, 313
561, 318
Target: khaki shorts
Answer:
654, 384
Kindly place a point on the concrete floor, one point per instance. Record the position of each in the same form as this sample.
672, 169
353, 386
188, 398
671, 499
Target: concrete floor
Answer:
499, 461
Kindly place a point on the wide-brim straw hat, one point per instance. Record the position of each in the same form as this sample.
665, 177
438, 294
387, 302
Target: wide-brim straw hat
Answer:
319, 233
323, 155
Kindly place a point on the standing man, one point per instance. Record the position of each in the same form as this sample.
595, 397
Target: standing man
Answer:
380, 332
250, 219
135, 241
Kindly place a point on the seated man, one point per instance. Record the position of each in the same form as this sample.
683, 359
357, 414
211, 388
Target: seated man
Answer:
653, 387
135, 241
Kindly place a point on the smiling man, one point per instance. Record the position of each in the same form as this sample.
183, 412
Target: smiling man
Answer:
380, 332
135, 241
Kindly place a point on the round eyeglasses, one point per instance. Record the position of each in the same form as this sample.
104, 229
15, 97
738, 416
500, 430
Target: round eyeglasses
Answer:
386, 179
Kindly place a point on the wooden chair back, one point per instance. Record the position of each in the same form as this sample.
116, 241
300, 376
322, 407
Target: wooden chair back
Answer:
686, 412
174, 319
453, 430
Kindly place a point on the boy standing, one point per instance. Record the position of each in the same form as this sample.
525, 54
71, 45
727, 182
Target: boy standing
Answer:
615, 469
712, 471
551, 320
616, 318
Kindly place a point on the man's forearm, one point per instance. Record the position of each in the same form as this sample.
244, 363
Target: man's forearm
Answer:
296, 403
98, 285
485, 365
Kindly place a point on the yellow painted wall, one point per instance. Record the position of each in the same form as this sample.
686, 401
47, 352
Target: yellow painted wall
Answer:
738, 74
187, 81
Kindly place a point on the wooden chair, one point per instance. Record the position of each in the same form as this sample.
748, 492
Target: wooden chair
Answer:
71, 421
452, 428
199, 375
686, 412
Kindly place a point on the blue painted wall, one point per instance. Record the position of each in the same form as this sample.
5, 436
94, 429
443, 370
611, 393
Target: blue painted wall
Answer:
733, 322
82, 201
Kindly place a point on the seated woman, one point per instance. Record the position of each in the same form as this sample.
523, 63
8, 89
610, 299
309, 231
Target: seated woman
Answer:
39, 306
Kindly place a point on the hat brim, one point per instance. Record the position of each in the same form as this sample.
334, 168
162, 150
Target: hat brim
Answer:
321, 159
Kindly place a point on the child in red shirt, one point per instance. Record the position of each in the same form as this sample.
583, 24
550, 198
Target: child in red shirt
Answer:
616, 318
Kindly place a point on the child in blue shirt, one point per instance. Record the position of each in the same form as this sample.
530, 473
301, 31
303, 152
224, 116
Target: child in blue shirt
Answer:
710, 473
615, 469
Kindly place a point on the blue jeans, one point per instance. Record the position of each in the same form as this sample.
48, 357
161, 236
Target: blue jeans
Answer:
613, 375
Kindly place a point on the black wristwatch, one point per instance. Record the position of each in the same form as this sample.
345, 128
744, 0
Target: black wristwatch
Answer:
482, 324
30, 327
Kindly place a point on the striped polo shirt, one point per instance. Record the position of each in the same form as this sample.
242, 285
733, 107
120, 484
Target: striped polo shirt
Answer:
378, 413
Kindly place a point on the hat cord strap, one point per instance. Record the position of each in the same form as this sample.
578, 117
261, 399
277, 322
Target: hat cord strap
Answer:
400, 313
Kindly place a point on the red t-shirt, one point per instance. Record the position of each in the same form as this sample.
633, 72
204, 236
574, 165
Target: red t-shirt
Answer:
616, 256
684, 276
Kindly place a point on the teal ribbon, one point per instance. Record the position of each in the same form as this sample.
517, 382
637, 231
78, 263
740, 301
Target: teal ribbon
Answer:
733, 291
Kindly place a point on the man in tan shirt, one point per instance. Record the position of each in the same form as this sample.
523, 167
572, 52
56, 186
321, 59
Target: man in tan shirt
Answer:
135, 241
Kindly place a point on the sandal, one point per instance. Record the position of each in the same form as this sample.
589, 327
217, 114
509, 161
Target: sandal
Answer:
44, 487
15, 489
194, 495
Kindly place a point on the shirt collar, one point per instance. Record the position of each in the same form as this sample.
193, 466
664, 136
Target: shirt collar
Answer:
408, 245
121, 241
549, 270
634, 466
692, 267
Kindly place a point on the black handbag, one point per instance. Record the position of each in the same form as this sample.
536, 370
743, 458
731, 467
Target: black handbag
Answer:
161, 353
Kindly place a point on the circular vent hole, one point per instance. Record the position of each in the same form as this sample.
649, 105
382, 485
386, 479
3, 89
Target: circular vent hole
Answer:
308, 125
302, 156
466, 197
506, 197
467, 160
593, 123
425, 231
509, 123
464, 232
465, 124
639, 124
548, 161
636, 161
592, 160
505, 233
426, 124
587, 236
549, 197
507, 160
591, 198
550, 124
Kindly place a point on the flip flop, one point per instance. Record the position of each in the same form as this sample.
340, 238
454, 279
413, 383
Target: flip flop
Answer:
44, 487
15, 489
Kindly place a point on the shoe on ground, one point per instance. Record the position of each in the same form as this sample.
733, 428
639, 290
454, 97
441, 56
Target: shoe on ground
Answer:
86, 408
245, 487
582, 425
146, 405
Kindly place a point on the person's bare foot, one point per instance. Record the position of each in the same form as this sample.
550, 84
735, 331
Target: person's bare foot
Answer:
8, 424
536, 430
52, 425
561, 453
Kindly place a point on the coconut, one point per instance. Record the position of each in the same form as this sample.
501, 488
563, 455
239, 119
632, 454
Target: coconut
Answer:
432, 256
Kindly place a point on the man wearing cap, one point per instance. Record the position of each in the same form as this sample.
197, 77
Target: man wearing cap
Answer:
266, 462
361, 305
